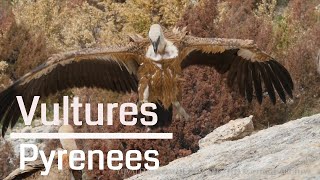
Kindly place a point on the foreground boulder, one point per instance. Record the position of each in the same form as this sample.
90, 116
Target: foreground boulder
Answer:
288, 151
233, 130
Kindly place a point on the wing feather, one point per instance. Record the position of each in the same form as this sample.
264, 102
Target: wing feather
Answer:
267, 82
233, 71
249, 88
29, 170
276, 83
46, 85
110, 80
257, 81
285, 80
106, 75
241, 77
52, 82
110, 69
285, 73
6, 123
7, 93
245, 63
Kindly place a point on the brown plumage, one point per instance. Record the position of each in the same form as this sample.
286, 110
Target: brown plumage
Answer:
152, 69
33, 169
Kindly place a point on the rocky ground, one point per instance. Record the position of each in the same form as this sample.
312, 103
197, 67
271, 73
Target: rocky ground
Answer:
37, 127
288, 151
236, 151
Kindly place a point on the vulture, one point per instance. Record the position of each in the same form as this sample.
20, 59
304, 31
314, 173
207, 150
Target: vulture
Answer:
151, 67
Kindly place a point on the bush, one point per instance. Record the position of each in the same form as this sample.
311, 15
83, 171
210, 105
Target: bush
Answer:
287, 34
22, 50
8, 160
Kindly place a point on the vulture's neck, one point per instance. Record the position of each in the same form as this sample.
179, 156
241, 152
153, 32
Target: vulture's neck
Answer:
169, 51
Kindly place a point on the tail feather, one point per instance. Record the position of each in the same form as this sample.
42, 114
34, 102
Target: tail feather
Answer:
164, 115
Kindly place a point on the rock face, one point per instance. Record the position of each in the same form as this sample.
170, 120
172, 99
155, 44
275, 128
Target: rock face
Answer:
288, 151
233, 130
38, 127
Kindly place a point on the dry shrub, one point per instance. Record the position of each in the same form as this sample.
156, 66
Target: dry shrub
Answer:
205, 94
6, 16
301, 60
33, 53
289, 35
79, 23
304, 14
4, 78
199, 20
8, 160
22, 49
4, 81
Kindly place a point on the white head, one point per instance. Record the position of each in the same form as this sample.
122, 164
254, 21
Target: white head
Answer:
157, 38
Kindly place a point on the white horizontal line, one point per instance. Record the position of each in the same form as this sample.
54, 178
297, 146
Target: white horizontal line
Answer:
91, 135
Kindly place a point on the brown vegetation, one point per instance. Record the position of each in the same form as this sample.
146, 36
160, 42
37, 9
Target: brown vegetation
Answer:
289, 30
21, 48
291, 38
8, 160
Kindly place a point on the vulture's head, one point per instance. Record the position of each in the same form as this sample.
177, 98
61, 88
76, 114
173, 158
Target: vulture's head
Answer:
157, 38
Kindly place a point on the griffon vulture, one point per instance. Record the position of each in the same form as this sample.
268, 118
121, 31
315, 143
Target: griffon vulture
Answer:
151, 67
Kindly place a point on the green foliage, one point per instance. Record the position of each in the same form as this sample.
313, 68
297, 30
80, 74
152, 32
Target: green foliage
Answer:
282, 32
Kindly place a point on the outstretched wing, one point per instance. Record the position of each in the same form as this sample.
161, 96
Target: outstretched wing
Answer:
33, 170
110, 68
247, 66
29, 170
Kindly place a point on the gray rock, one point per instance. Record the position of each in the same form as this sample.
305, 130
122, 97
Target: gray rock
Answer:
26, 129
38, 128
288, 151
233, 130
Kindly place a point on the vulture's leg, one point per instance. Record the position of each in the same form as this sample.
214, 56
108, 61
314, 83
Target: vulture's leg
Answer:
145, 97
146, 94
181, 110
144, 100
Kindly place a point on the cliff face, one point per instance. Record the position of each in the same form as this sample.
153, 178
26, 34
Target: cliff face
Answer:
289, 30
288, 151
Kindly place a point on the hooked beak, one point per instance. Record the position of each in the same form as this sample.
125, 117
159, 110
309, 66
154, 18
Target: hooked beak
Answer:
155, 45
